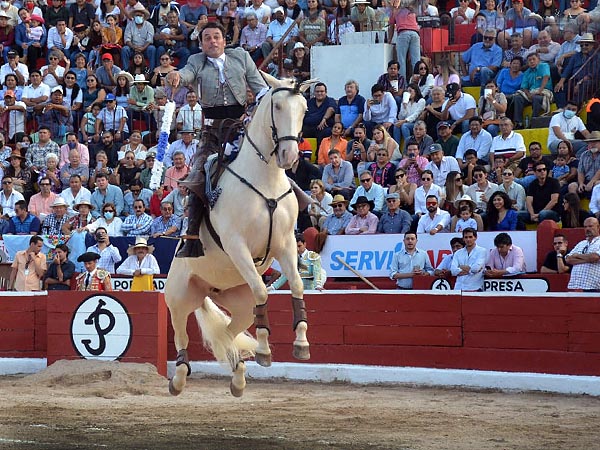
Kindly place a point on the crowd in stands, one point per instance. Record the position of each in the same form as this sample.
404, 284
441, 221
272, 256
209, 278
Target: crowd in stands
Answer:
84, 85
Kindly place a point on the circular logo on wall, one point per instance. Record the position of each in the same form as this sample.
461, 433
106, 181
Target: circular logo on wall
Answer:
101, 328
441, 285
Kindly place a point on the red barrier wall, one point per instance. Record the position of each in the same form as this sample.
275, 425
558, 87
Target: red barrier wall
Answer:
544, 333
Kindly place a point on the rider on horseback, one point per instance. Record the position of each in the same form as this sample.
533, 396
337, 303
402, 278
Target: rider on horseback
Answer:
222, 76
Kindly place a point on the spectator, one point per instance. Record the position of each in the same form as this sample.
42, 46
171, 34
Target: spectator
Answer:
146, 174
509, 81
408, 262
546, 48
75, 193
453, 191
465, 200
515, 191
477, 138
435, 220
167, 224
313, 28
468, 263
113, 118
350, 108
22, 222
12, 114
13, 66
523, 22
136, 192
60, 38
137, 224
524, 173
536, 90
426, 189
588, 170
447, 140
492, 106
564, 126
173, 43
420, 136
482, 60
30, 41
28, 267
35, 93
382, 141
56, 116
177, 171
380, 109
382, 170
580, 73
569, 47
440, 165
109, 147
87, 127
178, 198
262, 11
444, 267
106, 193
516, 49
459, 107
141, 262
405, 189
462, 13
356, 149
253, 35
319, 117
542, 197
21, 175
109, 254
422, 78
585, 259
394, 220
508, 144
94, 278
9, 197
409, 113
555, 259
138, 37
40, 204
107, 73
446, 74
403, 21
371, 191
53, 223
505, 259
432, 114
134, 145
364, 222
75, 167
392, 82
595, 202
275, 32
337, 222
481, 191
73, 144
108, 221
572, 215
189, 116
334, 142
36, 153
81, 12
61, 270
127, 171
320, 207
82, 221
500, 214
338, 175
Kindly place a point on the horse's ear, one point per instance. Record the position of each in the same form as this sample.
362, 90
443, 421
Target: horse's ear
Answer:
271, 81
307, 84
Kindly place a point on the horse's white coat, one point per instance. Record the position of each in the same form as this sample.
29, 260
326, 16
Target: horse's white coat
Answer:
241, 218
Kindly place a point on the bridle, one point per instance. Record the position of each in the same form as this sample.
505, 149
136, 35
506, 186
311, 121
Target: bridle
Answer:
274, 135
272, 203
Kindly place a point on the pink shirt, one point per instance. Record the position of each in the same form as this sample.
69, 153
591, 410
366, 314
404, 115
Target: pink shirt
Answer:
404, 19
172, 175
40, 205
84, 155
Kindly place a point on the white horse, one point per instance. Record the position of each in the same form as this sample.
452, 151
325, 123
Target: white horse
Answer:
254, 219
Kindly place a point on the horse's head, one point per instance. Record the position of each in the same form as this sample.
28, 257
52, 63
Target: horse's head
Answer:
286, 107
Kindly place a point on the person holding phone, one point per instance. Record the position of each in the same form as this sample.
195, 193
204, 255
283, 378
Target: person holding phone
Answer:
380, 109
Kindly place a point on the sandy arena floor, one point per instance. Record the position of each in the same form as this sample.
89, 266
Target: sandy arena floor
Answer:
87, 405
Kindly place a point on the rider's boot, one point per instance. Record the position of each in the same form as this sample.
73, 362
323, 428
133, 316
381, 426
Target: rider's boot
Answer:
195, 182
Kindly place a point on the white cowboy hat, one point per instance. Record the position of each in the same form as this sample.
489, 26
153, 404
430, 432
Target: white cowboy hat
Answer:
140, 242
466, 198
139, 78
59, 202
126, 75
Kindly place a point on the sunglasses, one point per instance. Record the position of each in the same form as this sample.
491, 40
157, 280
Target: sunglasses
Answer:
507, 174
52, 57
138, 207
478, 175
488, 38
457, 179
44, 184
541, 170
391, 199
135, 191
400, 175
339, 205
431, 203
425, 179
365, 180
7, 182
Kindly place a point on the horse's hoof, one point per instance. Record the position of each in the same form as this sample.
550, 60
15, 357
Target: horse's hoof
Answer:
235, 391
172, 389
263, 359
301, 352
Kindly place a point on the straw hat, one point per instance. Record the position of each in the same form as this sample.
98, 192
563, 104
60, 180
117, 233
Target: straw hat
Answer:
339, 198
126, 75
140, 242
594, 137
59, 202
15, 154
83, 202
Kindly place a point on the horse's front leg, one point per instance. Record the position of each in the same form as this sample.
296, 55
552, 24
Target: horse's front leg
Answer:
246, 268
289, 266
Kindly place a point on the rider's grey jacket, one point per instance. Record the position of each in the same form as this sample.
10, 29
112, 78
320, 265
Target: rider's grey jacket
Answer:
239, 69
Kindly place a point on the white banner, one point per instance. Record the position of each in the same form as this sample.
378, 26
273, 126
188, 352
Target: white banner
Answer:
372, 254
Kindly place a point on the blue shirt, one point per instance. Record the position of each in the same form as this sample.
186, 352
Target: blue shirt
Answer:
113, 195
349, 111
532, 78
507, 84
334, 224
479, 56
404, 262
398, 223
30, 224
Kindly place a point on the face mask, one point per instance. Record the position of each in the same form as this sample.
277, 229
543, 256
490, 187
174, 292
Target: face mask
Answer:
109, 215
24, 144
594, 150
4, 4
569, 114
138, 20
72, 145
30, 5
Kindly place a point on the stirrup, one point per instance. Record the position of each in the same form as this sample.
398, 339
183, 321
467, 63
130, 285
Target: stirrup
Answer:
192, 248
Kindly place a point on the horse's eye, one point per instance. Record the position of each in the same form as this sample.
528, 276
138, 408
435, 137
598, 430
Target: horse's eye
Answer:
277, 106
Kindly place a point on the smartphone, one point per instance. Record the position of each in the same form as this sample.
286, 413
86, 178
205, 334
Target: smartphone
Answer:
488, 268
375, 102
99, 166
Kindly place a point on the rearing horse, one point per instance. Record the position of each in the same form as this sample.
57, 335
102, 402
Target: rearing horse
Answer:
254, 220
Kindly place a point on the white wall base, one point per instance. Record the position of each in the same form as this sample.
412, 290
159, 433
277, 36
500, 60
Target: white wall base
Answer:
564, 384
13, 366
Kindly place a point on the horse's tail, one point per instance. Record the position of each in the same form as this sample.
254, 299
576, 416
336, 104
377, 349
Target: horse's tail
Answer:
218, 339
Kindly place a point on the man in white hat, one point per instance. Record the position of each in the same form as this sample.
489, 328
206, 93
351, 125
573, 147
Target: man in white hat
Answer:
141, 261
277, 29
140, 99
363, 16
54, 222
138, 37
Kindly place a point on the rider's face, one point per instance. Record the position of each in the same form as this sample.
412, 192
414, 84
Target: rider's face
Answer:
213, 43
